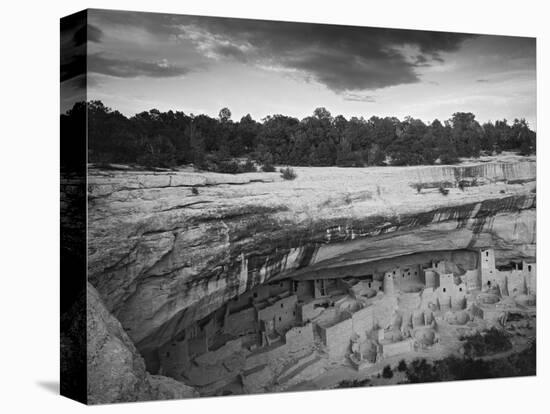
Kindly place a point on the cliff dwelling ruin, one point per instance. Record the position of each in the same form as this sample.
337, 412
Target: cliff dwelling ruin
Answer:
294, 330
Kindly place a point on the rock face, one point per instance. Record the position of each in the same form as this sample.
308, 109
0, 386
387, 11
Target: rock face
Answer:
116, 370
162, 256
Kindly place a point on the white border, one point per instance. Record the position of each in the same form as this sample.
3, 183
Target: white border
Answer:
30, 203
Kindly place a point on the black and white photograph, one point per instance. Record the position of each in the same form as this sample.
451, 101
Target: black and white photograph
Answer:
274, 207
282, 206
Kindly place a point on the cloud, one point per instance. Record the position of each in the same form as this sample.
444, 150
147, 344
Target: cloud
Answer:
344, 58
132, 68
95, 34
356, 97
74, 35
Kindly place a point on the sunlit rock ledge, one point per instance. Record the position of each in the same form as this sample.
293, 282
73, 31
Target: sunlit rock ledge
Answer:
162, 255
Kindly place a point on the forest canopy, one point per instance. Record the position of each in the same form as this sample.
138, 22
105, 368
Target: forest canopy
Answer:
156, 139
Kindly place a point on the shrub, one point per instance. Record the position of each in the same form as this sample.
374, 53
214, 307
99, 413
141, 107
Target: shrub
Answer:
353, 383
231, 167
486, 343
268, 168
402, 367
195, 191
348, 199
387, 372
453, 368
288, 173
462, 184
227, 167
248, 166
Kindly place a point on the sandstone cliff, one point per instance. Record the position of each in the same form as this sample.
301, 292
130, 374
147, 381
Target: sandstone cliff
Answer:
162, 256
116, 370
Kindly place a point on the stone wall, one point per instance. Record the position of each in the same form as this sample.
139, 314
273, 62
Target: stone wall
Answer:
531, 277
308, 311
303, 288
429, 298
363, 321
472, 278
219, 355
256, 379
282, 312
397, 348
383, 307
241, 323
270, 355
446, 281
299, 338
337, 338
174, 359
431, 278
388, 283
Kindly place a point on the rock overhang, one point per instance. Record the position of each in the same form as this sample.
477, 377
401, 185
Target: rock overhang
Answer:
160, 254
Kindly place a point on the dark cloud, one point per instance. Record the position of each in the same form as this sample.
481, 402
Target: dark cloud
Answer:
344, 58
95, 34
73, 46
74, 35
129, 68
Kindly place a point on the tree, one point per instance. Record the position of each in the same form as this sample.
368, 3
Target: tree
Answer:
466, 134
247, 133
164, 139
224, 115
489, 138
322, 114
408, 147
503, 131
276, 135
522, 137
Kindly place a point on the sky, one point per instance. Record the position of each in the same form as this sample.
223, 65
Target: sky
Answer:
140, 61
